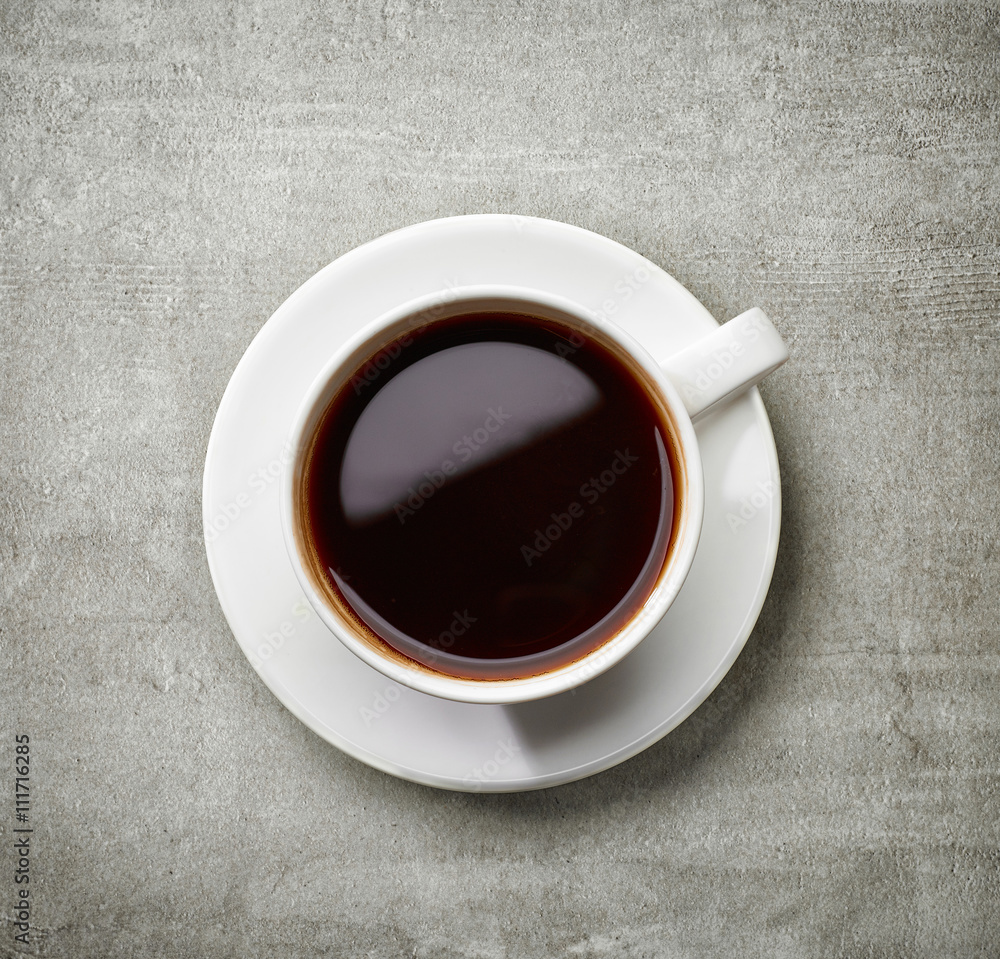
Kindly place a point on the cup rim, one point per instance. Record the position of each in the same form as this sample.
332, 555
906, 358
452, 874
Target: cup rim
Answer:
611, 651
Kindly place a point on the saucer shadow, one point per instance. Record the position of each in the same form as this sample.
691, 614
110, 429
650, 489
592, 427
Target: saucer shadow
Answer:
556, 724
549, 725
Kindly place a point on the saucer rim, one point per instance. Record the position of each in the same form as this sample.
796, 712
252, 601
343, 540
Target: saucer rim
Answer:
766, 565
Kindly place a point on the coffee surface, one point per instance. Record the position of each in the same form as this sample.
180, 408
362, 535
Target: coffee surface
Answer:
492, 495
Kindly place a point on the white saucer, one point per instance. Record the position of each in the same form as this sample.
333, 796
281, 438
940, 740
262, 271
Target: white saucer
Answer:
410, 734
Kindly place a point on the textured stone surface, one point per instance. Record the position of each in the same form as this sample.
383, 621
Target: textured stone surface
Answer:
170, 172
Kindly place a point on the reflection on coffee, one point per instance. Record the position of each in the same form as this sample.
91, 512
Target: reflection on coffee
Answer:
492, 495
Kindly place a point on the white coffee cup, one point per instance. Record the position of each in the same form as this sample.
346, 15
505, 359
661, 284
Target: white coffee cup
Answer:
689, 384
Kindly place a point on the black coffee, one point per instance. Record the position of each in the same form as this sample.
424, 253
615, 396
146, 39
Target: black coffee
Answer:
492, 495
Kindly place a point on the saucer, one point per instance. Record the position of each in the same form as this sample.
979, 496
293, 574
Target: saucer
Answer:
410, 734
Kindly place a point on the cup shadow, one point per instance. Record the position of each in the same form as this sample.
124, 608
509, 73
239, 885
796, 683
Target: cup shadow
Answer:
699, 739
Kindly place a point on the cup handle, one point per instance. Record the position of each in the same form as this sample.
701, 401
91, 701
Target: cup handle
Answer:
733, 358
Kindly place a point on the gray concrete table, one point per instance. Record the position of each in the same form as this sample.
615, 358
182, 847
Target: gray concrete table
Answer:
171, 172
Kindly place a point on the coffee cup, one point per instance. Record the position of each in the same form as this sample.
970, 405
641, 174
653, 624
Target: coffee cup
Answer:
493, 494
